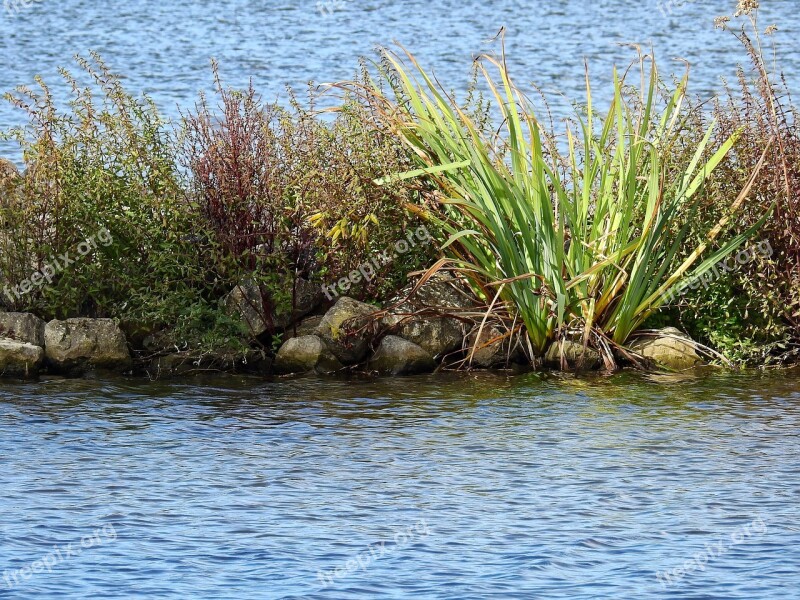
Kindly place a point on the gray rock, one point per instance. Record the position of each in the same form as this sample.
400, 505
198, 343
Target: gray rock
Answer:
491, 354
77, 345
307, 326
437, 334
396, 356
575, 354
669, 348
245, 303
22, 327
305, 354
20, 360
308, 297
347, 330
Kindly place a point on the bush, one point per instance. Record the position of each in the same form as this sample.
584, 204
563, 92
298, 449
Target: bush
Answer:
287, 194
159, 224
101, 173
753, 314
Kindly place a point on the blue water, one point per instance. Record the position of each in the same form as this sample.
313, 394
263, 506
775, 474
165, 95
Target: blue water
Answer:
439, 487
164, 48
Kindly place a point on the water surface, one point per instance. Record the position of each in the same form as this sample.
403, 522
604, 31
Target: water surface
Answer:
164, 48
436, 487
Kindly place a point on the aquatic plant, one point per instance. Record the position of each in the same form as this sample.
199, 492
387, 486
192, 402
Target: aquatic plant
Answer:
587, 239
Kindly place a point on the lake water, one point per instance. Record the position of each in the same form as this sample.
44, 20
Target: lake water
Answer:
477, 486
163, 48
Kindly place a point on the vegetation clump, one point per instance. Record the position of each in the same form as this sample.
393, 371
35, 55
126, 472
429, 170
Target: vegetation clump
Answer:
589, 235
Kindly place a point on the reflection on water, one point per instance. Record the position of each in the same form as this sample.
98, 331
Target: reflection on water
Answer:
469, 486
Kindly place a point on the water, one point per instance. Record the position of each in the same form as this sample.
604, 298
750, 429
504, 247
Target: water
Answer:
475, 486
163, 48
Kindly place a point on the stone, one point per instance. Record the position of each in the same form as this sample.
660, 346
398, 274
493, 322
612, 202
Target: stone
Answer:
245, 303
22, 327
419, 319
78, 345
396, 356
575, 354
308, 297
669, 348
492, 354
347, 331
307, 326
306, 354
20, 360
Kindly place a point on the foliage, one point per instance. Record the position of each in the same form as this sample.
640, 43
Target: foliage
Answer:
590, 238
753, 315
103, 169
245, 191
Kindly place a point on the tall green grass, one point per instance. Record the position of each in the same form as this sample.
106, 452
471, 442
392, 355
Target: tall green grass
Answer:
584, 239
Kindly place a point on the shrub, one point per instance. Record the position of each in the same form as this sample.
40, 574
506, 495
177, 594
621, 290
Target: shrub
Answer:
286, 193
105, 171
753, 314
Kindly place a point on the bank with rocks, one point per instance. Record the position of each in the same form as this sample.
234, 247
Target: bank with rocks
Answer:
423, 329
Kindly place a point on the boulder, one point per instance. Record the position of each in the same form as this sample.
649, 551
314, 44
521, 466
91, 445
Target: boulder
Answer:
22, 327
246, 304
575, 354
396, 356
669, 348
307, 326
20, 360
77, 345
307, 297
491, 354
305, 354
419, 318
347, 331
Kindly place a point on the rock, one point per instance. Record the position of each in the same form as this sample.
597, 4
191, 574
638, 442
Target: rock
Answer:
305, 354
307, 326
20, 360
439, 335
347, 331
308, 297
245, 303
396, 356
575, 354
22, 327
668, 348
76, 345
494, 354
